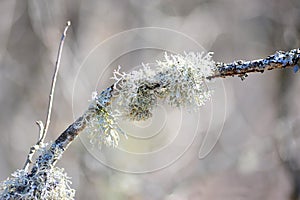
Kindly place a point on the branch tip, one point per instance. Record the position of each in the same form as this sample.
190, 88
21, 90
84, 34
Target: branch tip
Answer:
57, 65
44, 128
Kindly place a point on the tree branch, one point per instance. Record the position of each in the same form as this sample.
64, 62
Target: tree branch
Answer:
239, 68
57, 65
280, 59
43, 129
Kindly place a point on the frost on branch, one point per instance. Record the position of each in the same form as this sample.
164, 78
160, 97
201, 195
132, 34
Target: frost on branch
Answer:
178, 80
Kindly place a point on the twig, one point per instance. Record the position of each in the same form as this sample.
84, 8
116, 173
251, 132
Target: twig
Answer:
57, 64
57, 148
43, 129
240, 68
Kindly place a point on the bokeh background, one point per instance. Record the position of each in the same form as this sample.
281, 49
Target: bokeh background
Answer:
256, 156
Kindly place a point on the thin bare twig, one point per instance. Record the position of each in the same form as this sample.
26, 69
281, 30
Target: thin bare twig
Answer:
281, 59
43, 129
57, 64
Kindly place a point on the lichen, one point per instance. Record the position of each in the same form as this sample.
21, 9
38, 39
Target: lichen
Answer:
43, 182
178, 80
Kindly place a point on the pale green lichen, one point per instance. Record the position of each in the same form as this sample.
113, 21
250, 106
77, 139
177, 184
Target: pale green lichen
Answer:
178, 80
185, 79
134, 93
102, 128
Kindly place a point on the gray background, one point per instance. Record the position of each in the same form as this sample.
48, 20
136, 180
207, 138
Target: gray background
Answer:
257, 154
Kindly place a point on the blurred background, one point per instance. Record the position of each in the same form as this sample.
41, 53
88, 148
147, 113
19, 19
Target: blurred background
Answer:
256, 156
